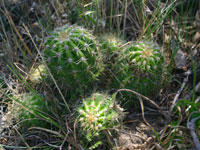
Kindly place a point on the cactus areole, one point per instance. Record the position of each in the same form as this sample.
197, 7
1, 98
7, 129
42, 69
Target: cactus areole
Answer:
71, 55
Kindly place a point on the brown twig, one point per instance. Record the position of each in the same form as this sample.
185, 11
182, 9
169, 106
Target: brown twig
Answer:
165, 114
191, 127
138, 94
16, 30
142, 108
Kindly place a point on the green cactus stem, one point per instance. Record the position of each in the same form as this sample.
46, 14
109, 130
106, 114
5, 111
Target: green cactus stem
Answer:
71, 54
98, 113
145, 56
141, 68
111, 46
27, 109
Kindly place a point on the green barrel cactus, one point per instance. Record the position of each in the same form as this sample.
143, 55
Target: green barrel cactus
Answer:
72, 56
28, 108
140, 68
98, 113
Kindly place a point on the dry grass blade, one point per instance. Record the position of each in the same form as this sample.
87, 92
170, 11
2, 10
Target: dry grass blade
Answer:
142, 108
23, 139
67, 138
138, 94
47, 68
16, 30
165, 114
178, 94
47, 130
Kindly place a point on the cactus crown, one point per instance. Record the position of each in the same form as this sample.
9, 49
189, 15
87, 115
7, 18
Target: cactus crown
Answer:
72, 55
140, 68
98, 113
145, 56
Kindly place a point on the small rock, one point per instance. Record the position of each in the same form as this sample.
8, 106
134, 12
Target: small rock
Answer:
196, 38
180, 60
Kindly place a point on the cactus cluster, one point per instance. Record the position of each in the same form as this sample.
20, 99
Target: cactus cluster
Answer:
98, 113
72, 55
140, 68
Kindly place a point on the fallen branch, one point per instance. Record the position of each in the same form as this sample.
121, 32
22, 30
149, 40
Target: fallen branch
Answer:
191, 127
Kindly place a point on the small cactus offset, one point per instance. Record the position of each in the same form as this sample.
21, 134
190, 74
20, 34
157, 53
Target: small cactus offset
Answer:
72, 56
111, 46
98, 113
37, 74
27, 111
141, 67
110, 43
